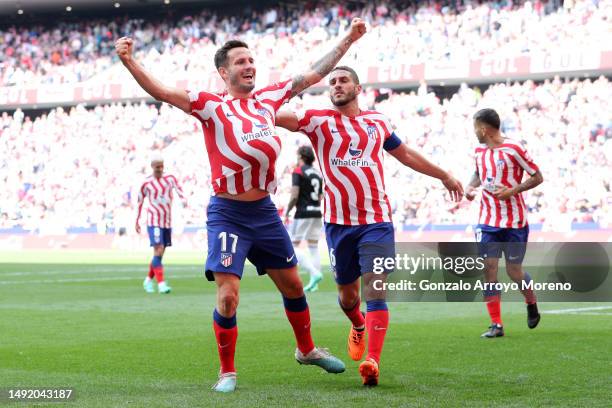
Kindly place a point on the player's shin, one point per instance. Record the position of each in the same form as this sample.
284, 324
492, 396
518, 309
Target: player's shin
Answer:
527, 290
315, 256
226, 332
299, 316
354, 313
305, 262
377, 322
493, 299
158, 268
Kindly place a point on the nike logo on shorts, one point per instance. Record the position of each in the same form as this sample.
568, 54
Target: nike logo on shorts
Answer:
290, 259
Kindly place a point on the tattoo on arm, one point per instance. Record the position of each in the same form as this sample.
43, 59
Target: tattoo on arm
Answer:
320, 68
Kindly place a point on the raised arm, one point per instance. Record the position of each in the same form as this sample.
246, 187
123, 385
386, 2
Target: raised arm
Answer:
413, 159
173, 96
324, 66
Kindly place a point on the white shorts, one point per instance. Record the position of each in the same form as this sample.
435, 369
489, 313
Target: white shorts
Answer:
306, 228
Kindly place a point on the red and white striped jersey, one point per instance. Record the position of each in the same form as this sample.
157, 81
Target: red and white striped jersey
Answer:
240, 137
159, 192
350, 154
503, 165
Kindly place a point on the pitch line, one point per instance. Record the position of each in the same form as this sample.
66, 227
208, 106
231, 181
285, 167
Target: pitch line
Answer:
577, 310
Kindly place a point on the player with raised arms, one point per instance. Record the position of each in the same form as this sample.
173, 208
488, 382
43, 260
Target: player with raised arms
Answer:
500, 164
243, 145
349, 145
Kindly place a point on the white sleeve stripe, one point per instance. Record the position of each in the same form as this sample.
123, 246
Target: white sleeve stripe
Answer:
529, 169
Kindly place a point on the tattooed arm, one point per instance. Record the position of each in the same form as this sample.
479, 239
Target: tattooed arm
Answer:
323, 66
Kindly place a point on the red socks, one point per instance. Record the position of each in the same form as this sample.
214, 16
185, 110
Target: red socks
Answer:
151, 272
226, 332
377, 322
159, 273
354, 314
494, 308
299, 316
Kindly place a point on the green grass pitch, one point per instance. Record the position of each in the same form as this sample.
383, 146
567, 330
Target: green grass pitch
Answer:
83, 321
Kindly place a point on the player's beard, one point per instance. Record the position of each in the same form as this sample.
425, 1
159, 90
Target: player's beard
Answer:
348, 97
235, 82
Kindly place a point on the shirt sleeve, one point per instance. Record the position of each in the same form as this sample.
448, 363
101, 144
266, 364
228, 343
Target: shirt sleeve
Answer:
275, 95
296, 176
304, 117
523, 158
200, 106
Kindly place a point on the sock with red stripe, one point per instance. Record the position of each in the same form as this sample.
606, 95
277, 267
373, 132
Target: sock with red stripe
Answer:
354, 314
151, 273
158, 268
530, 297
493, 299
299, 316
226, 332
377, 322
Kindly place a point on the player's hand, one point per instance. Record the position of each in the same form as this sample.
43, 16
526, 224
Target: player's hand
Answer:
503, 192
123, 48
286, 221
358, 29
470, 193
137, 228
454, 187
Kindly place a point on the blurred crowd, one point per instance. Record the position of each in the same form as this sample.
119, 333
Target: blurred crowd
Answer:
81, 167
291, 35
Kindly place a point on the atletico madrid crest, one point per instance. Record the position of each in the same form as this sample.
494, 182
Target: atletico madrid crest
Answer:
226, 260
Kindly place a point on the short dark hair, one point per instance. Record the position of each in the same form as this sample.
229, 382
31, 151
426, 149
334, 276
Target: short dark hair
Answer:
350, 70
221, 54
307, 154
488, 117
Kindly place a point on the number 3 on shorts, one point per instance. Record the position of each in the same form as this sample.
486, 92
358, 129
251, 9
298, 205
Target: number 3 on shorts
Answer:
223, 237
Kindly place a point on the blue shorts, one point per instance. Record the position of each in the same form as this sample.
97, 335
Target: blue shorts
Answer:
160, 236
492, 241
240, 230
352, 249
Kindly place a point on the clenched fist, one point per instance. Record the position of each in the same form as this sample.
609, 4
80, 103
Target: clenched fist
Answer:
358, 29
123, 48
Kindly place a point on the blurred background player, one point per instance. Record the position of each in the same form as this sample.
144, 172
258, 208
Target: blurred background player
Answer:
243, 222
349, 144
158, 189
502, 225
306, 194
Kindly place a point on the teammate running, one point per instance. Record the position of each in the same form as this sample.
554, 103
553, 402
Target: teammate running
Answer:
242, 145
306, 193
502, 225
349, 144
158, 189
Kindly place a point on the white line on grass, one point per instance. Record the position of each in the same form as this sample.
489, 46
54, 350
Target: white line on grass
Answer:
576, 310
115, 278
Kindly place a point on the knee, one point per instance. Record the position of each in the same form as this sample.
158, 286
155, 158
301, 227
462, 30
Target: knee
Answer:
348, 297
228, 302
515, 273
294, 289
